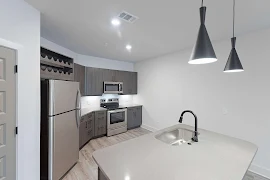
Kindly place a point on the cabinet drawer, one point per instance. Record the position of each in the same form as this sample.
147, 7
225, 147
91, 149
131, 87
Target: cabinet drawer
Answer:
102, 118
100, 114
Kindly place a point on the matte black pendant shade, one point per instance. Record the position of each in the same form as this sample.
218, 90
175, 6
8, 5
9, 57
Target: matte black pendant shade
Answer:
233, 63
203, 51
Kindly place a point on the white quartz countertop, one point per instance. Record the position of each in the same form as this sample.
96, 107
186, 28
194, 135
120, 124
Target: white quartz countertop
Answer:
214, 157
88, 110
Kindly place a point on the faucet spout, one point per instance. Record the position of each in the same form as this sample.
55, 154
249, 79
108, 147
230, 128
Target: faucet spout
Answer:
195, 137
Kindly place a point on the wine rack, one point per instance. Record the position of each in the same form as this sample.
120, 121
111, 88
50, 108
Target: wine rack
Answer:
55, 66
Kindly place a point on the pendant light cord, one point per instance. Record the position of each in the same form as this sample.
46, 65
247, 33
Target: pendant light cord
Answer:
202, 3
233, 15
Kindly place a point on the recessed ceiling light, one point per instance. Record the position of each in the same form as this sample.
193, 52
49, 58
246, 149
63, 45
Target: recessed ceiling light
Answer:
128, 47
115, 22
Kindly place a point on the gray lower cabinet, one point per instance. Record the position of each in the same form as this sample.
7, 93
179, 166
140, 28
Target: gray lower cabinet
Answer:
134, 117
79, 76
100, 123
86, 131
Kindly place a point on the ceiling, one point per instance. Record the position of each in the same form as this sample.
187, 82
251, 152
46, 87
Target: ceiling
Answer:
84, 27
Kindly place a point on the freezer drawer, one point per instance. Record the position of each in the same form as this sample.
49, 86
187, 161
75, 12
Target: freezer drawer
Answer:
63, 144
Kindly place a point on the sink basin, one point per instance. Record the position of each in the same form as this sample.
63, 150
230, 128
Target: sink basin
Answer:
176, 137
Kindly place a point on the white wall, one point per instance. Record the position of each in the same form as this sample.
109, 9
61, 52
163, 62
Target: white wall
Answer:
57, 48
20, 25
97, 62
168, 85
89, 61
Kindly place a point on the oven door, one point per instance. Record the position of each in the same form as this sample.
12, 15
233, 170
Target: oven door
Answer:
113, 88
117, 118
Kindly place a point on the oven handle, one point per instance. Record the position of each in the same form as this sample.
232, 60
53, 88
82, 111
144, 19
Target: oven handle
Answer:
118, 110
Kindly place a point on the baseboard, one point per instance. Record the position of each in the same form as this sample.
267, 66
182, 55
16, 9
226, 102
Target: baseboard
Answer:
260, 170
149, 128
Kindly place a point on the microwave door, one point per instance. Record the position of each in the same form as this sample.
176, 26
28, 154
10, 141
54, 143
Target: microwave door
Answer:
111, 87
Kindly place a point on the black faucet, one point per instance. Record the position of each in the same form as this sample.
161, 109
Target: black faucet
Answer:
195, 137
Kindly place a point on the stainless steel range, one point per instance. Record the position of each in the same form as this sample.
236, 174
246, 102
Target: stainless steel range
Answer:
116, 117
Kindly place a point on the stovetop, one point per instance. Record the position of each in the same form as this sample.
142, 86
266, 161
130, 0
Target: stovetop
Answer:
110, 104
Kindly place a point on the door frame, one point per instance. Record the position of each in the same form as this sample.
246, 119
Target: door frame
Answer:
18, 48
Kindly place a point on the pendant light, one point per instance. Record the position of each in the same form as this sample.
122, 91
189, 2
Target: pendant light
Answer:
203, 51
233, 63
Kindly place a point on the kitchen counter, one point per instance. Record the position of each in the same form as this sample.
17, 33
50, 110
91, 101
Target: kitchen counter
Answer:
85, 111
128, 105
214, 157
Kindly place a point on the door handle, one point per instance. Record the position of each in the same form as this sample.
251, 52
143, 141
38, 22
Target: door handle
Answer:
78, 108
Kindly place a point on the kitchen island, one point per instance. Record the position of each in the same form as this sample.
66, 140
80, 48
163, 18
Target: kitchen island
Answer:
214, 157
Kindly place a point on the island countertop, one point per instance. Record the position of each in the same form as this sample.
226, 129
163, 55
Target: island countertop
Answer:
214, 157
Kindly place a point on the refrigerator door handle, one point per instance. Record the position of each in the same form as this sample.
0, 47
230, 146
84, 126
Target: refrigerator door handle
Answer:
78, 108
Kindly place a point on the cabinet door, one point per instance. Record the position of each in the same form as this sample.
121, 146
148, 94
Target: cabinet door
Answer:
134, 80
130, 118
98, 75
82, 132
90, 127
108, 75
94, 81
130, 83
138, 117
100, 123
89, 81
126, 82
79, 76
134, 117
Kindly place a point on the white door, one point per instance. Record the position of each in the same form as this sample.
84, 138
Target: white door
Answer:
7, 114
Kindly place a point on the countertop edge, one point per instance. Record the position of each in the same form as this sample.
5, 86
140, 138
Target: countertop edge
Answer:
86, 111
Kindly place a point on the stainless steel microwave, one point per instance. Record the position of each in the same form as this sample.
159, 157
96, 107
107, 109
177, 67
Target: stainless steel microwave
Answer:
113, 88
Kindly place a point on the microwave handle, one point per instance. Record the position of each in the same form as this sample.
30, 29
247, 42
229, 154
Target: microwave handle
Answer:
120, 87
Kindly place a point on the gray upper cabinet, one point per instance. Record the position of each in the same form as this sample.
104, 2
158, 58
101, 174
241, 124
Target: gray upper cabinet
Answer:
108, 75
94, 81
94, 78
79, 76
129, 80
134, 117
134, 82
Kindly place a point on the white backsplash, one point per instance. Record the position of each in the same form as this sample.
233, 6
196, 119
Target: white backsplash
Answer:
94, 101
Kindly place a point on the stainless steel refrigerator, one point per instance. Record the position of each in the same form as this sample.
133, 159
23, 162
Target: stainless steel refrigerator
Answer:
60, 118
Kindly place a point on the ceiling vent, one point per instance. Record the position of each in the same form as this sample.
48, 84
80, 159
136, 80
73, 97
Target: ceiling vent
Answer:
127, 17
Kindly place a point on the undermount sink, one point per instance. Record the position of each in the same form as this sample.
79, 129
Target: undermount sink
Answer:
176, 137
